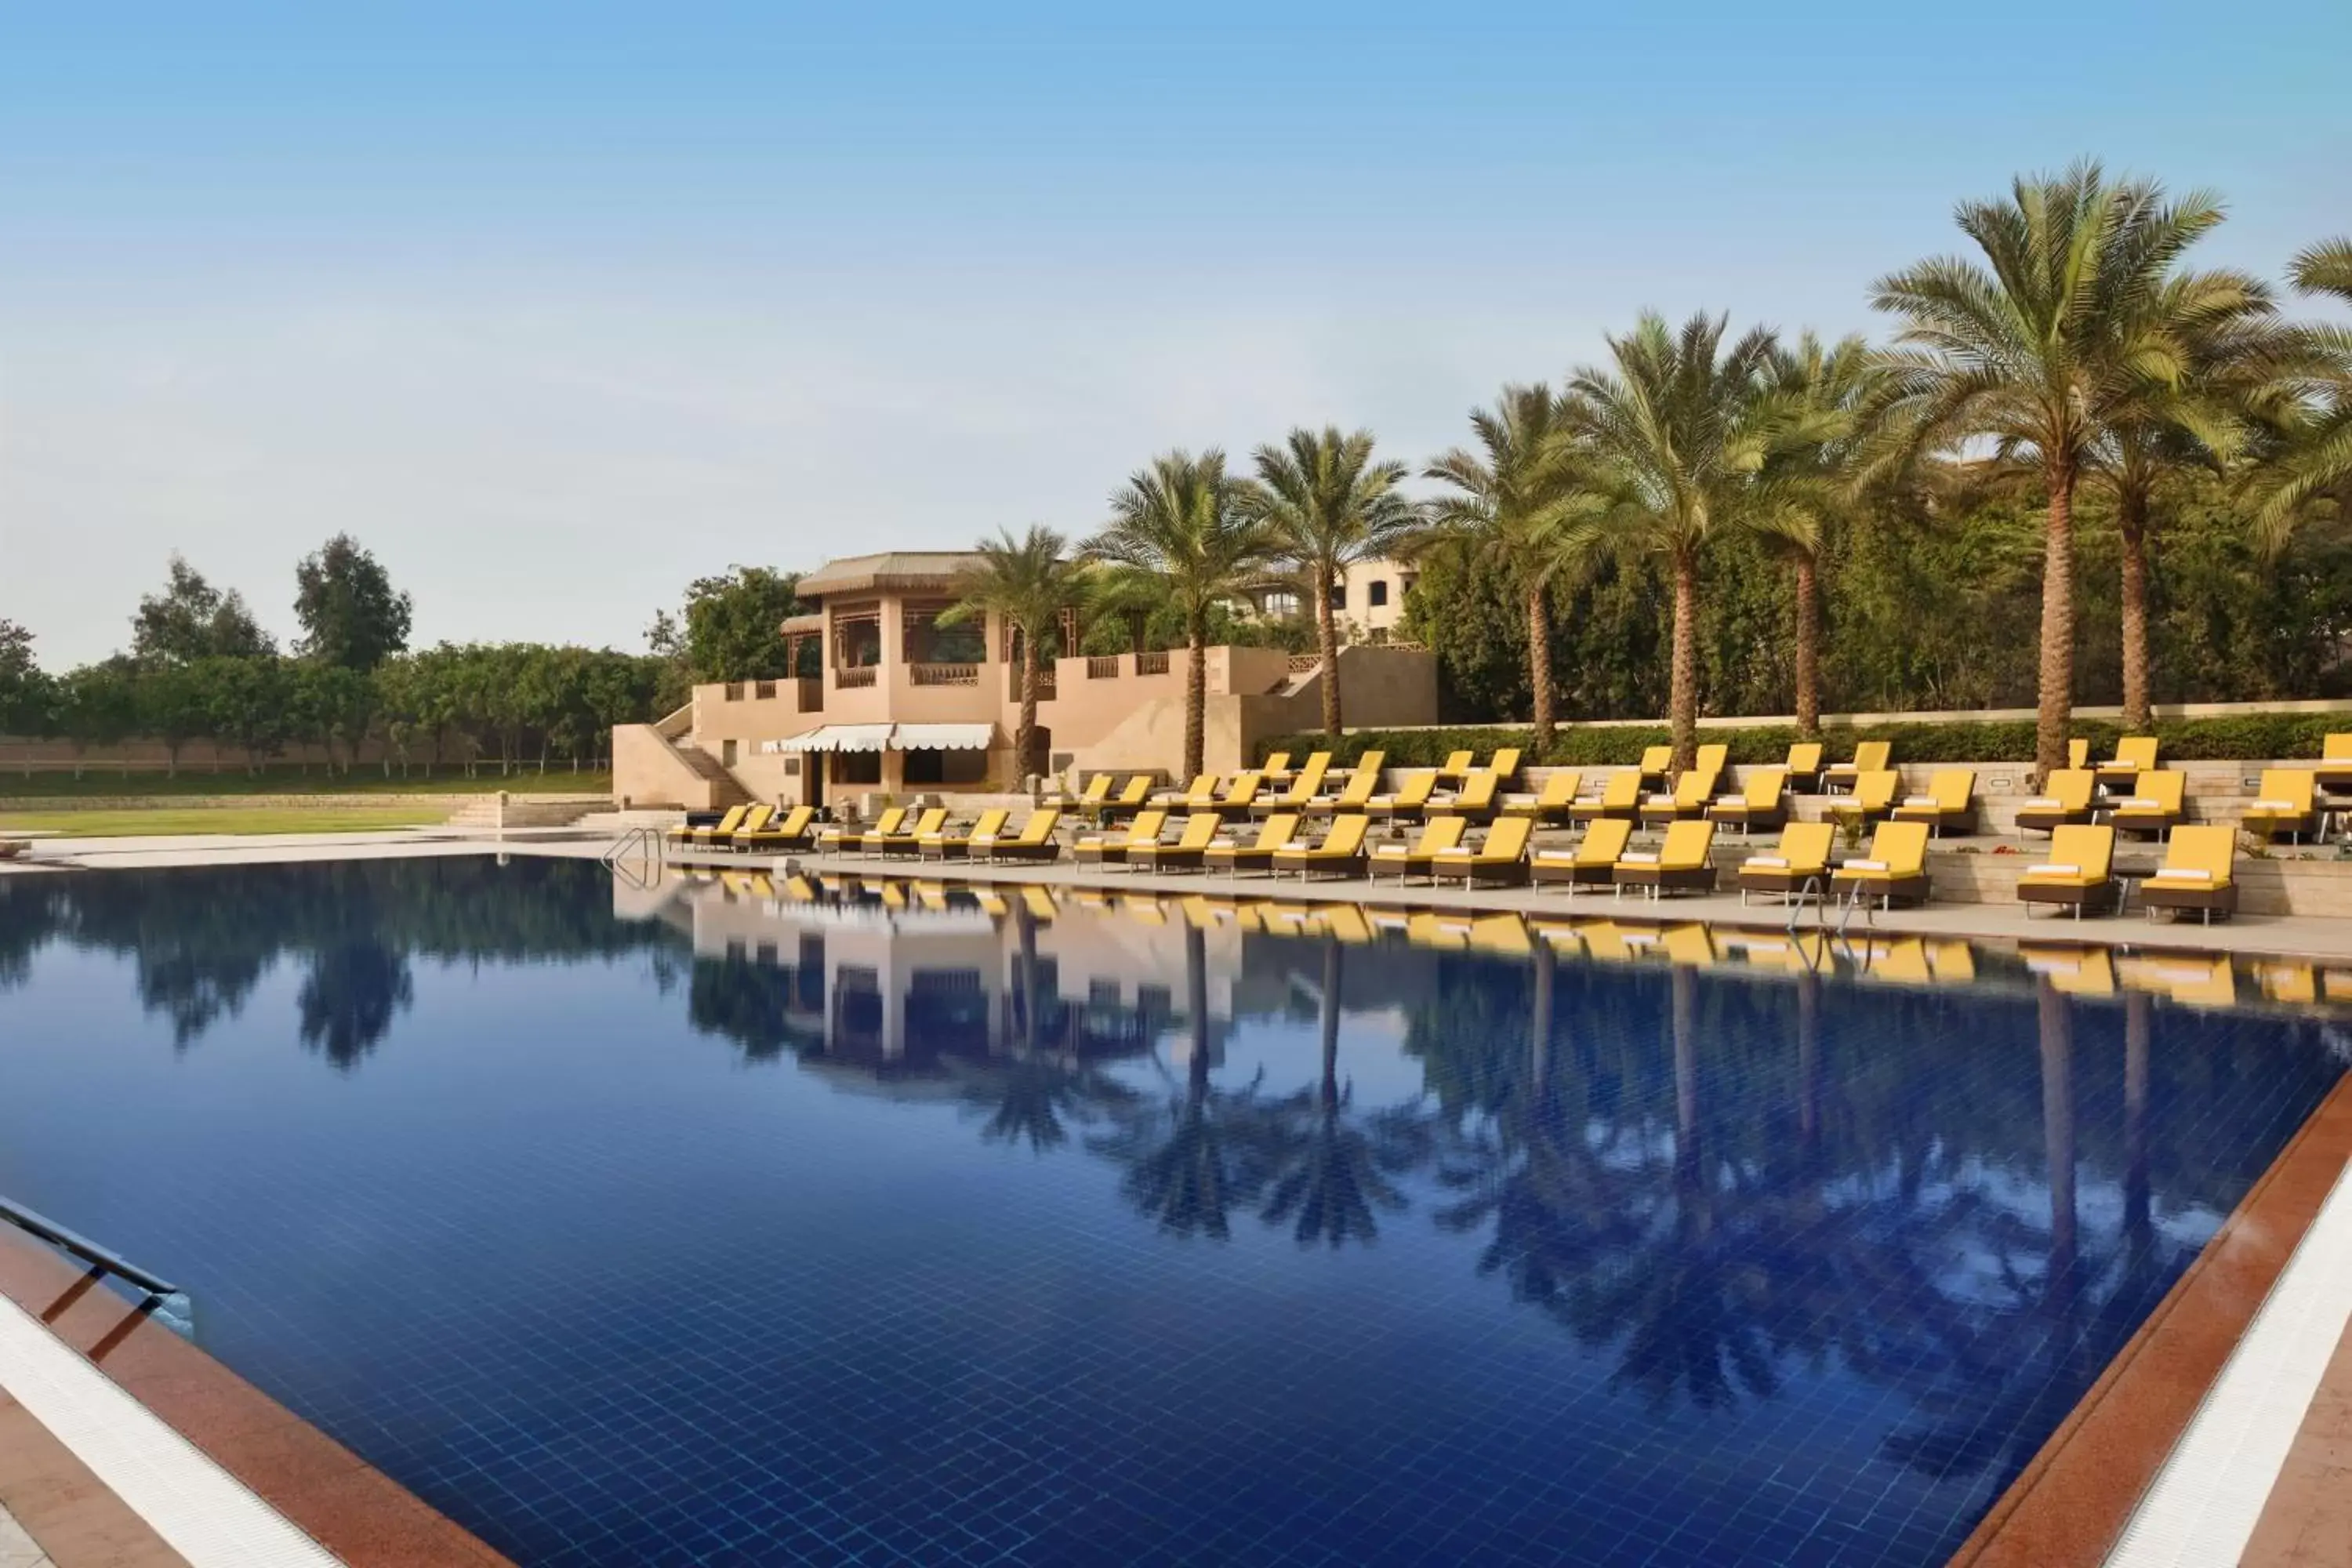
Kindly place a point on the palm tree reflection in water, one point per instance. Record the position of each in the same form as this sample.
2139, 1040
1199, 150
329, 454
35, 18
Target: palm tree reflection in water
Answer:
1331, 1175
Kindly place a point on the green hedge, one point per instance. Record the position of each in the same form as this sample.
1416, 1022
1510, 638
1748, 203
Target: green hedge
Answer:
2243, 736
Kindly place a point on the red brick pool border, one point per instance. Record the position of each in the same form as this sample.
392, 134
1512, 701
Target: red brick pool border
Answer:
2071, 1503
345, 1504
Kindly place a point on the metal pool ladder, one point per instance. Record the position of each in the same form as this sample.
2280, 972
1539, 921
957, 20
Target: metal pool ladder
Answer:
103, 1259
635, 852
1814, 892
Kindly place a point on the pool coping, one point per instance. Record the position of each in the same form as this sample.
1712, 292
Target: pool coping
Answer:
352, 1510
2069, 1505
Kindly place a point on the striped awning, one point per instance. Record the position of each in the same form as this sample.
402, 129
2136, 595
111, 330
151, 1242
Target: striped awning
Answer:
835, 738
944, 738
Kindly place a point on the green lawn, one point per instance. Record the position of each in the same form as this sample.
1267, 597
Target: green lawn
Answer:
103, 824
111, 782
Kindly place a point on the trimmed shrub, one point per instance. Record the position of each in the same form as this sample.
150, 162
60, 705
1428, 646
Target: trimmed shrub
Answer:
2284, 736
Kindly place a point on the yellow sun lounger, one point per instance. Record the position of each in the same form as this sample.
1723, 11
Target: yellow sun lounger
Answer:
1341, 853
1500, 860
2287, 802
1185, 854
1362, 780
790, 831
2134, 755
1949, 804
1035, 841
1591, 863
2153, 807
1656, 763
1408, 804
908, 838
1679, 866
2067, 798
1762, 802
1895, 867
946, 846
852, 840
1802, 855
1803, 766
1869, 757
2196, 873
1109, 848
1475, 800
2078, 872
1275, 832
1620, 797
698, 837
1873, 797
1550, 803
1404, 861
1692, 792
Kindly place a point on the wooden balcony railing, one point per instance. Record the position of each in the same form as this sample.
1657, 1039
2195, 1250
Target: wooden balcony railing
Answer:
1152, 663
1305, 663
1013, 684
1099, 668
946, 674
862, 675
763, 689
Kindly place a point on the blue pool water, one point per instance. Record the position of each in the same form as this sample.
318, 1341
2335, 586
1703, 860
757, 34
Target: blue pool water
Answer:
693, 1225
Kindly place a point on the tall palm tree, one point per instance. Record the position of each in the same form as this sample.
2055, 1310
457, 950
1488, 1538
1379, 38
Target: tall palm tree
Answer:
2041, 351
2316, 457
1682, 423
1183, 520
1332, 506
1824, 397
1026, 582
1523, 501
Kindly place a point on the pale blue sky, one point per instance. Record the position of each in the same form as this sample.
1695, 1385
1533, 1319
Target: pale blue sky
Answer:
560, 307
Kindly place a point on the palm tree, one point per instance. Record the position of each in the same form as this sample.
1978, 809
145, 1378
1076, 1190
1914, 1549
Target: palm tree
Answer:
2041, 351
1684, 426
1332, 506
1026, 582
1823, 397
1522, 502
2316, 459
1182, 520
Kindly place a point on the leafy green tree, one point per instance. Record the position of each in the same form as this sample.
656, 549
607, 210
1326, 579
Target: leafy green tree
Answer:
1330, 506
1683, 426
171, 708
191, 619
1027, 584
731, 625
248, 703
2041, 351
2316, 458
1182, 520
1824, 397
351, 614
1521, 501
27, 696
97, 705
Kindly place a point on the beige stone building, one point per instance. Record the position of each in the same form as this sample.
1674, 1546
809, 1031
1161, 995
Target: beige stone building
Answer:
893, 702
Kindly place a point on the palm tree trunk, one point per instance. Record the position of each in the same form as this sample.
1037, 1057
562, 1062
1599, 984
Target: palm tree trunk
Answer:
1682, 696
2137, 1011
1809, 647
1327, 645
1539, 1017
1025, 743
1684, 1012
1539, 665
2055, 711
2131, 522
1196, 691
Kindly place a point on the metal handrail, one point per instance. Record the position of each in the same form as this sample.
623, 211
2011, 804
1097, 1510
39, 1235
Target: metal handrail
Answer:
633, 851
103, 1259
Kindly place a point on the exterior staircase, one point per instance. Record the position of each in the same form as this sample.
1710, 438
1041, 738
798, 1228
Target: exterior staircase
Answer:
726, 789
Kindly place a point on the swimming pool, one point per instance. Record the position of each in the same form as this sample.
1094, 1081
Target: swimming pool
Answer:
711, 1224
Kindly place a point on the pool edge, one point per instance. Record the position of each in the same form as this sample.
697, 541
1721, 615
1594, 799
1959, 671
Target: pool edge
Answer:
2069, 1505
355, 1511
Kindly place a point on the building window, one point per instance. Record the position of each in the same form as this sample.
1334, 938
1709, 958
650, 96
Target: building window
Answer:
1282, 604
1338, 596
925, 766
857, 767
1379, 592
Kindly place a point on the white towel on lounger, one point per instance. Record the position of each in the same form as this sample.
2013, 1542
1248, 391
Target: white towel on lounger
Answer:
2054, 870
1769, 862
1639, 858
2182, 874
1865, 864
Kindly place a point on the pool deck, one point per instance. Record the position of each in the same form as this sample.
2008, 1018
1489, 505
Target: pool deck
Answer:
2068, 1508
